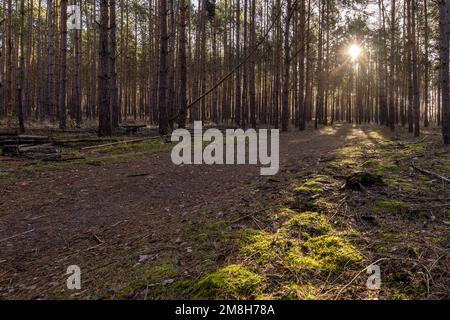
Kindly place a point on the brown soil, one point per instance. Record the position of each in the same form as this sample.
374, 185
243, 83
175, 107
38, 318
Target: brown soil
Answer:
105, 218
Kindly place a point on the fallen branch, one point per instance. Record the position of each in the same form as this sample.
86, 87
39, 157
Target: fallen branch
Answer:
430, 173
115, 143
17, 235
138, 175
252, 52
357, 275
71, 159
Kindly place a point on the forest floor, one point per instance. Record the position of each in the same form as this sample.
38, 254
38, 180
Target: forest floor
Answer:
140, 227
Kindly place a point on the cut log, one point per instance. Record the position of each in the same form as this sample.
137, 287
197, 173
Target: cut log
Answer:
37, 152
23, 139
8, 132
40, 148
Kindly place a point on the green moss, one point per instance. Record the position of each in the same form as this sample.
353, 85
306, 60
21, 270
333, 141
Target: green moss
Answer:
148, 147
438, 240
411, 289
332, 252
389, 206
6, 177
95, 162
156, 275
384, 167
264, 297
412, 149
295, 261
343, 163
294, 291
319, 204
159, 272
202, 237
260, 246
405, 184
351, 152
376, 136
370, 163
306, 225
283, 214
398, 295
390, 236
314, 186
231, 282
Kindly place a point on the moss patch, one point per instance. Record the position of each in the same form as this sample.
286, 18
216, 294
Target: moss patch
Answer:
389, 206
333, 253
231, 282
294, 291
315, 185
260, 246
306, 225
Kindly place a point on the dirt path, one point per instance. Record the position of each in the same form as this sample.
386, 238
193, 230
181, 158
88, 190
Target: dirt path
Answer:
104, 221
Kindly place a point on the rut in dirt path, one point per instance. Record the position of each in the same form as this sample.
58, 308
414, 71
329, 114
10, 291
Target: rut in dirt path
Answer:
96, 217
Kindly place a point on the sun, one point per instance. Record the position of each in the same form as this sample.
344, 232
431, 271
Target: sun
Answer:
354, 51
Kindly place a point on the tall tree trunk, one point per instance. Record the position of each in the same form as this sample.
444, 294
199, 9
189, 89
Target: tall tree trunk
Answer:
277, 60
426, 75
415, 75
237, 102
184, 7
104, 117
63, 66
319, 97
285, 111
112, 65
444, 11
21, 70
392, 70
76, 96
252, 65
162, 101
301, 70
50, 96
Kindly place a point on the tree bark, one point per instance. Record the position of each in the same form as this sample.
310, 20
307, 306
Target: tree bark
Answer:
105, 126
63, 66
444, 10
162, 101
113, 91
182, 64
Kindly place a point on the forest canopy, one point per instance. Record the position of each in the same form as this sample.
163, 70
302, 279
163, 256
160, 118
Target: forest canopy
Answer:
245, 62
